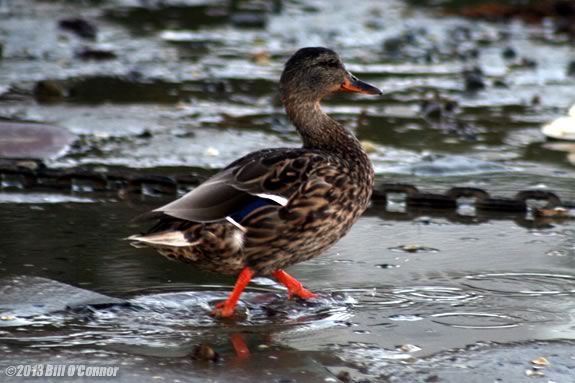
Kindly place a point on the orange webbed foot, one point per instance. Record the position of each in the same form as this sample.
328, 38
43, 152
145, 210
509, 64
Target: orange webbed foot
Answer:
227, 308
302, 294
221, 310
295, 288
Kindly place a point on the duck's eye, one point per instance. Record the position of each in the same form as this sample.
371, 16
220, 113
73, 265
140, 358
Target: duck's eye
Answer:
329, 64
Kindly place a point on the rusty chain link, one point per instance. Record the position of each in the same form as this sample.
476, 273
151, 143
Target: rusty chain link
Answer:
34, 175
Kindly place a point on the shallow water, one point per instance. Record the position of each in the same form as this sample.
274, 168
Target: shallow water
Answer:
193, 86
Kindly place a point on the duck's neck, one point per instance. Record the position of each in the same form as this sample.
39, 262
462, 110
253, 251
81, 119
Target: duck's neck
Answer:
319, 131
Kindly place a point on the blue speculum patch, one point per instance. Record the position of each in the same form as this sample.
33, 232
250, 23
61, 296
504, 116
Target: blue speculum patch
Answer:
255, 203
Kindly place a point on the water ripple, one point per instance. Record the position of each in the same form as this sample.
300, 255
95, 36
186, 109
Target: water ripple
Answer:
436, 294
473, 320
530, 284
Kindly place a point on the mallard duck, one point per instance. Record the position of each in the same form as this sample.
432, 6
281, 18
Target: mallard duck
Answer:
275, 207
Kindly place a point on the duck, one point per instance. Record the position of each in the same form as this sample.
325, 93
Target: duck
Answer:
275, 207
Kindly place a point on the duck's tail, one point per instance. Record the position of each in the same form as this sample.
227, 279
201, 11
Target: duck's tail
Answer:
168, 238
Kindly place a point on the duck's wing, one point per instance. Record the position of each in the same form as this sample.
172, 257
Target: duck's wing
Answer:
267, 176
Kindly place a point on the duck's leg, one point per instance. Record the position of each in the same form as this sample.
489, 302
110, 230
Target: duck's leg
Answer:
293, 285
226, 309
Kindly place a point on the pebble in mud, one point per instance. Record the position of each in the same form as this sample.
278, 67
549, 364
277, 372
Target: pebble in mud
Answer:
345, 377
204, 352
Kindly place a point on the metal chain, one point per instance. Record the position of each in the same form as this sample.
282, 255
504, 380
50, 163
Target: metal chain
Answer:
34, 175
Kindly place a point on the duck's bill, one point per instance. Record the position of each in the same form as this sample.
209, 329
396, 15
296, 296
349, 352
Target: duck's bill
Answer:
355, 85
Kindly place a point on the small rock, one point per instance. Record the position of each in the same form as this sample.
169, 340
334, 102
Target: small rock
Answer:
473, 79
96, 54
525, 63
509, 53
386, 266
345, 377
409, 348
80, 27
145, 134
205, 352
411, 248
393, 45
571, 68
500, 83
541, 361
49, 90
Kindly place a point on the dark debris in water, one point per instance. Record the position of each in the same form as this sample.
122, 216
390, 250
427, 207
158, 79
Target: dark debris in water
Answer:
49, 91
81, 27
97, 54
414, 248
473, 79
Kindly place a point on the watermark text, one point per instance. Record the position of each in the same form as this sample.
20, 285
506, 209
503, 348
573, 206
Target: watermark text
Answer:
56, 370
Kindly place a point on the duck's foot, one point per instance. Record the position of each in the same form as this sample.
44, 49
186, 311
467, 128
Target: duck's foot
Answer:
295, 288
221, 310
227, 308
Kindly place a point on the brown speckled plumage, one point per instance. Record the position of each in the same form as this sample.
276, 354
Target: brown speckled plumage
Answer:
311, 196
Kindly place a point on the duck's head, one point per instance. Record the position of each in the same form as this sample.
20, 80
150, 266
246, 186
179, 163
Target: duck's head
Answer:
313, 73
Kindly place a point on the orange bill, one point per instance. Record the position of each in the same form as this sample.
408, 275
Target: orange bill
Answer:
354, 85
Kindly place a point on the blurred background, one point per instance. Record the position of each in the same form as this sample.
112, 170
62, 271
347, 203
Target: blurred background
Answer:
193, 83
